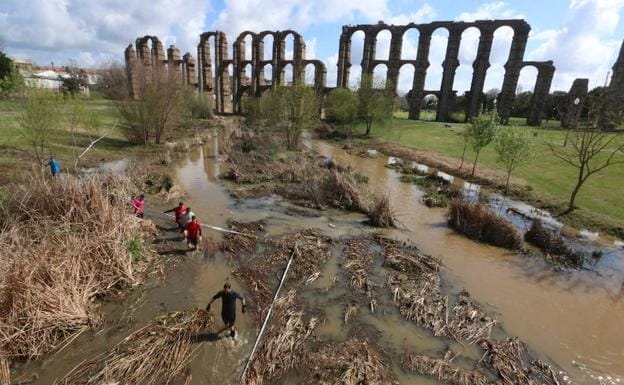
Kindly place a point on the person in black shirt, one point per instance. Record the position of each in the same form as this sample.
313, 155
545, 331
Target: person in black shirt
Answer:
228, 306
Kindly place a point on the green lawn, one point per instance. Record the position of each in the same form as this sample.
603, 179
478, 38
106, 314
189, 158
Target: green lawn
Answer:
15, 152
549, 176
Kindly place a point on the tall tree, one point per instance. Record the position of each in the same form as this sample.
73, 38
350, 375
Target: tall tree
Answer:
341, 108
39, 117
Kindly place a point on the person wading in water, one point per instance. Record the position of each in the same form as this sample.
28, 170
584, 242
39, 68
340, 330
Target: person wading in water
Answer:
178, 211
228, 307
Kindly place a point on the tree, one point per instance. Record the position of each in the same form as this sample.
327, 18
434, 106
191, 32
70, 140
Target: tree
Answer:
481, 132
11, 80
591, 149
157, 109
375, 101
341, 108
466, 137
291, 110
514, 148
78, 117
40, 115
522, 104
75, 80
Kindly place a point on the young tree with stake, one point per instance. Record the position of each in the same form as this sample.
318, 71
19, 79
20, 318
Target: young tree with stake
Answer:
481, 133
514, 148
375, 101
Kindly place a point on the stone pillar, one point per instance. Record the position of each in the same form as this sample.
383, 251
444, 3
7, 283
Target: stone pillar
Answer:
344, 59
158, 53
572, 111
190, 77
512, 71
279, 53
617, 78
368, 56
173, 61
258, 66
206, 74
449, 66
131, 71
545, 74
394, 61
480, 67
420, 72
224, 92
298, 58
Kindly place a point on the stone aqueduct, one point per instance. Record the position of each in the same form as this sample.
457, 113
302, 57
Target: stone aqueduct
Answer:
211, 73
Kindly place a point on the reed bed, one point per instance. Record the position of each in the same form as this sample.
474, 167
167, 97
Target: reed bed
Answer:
469, 322
237, 244
63, 244
357, 260
553, 244
157, 353
444, 370
478, 223
381, 214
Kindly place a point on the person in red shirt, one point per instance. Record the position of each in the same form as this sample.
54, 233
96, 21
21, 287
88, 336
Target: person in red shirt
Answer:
192, 233
178, 211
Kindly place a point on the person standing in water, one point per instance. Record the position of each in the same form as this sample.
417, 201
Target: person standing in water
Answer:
228, 307
55, 166
178, 211
138, 206
193, 233
186, 218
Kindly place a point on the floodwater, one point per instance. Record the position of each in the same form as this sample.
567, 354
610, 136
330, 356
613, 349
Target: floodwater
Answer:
574, 318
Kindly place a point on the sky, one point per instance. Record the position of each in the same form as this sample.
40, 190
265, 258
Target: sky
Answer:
582, 37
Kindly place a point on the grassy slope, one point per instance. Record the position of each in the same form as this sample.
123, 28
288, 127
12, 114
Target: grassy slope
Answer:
15, 150
548, 175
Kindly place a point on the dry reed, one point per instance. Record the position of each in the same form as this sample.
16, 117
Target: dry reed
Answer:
478, 223
381, 214
154, 354
553, 244
444, 370
237, 244
63, 244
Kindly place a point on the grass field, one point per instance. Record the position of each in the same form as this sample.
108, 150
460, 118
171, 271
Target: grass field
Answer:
549, 176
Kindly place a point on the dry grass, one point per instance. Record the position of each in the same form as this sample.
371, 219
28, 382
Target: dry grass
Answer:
63, 244
237, 244
155, 354
553, 244
381, 214
478, 223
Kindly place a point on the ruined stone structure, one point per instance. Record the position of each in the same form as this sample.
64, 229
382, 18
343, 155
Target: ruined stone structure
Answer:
150, 55
574, 103
446, 94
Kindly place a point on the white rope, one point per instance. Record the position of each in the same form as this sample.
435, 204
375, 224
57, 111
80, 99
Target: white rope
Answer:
253, 351
203, 225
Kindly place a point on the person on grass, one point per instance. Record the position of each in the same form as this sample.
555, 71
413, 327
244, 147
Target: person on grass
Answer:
178, 211
55, 166
193, 233
228, 307
138, 206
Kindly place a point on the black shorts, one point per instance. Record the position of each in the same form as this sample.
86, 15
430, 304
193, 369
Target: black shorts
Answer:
228, 319
193, 241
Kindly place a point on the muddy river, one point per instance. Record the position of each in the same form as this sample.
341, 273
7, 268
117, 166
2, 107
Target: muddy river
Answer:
574, 318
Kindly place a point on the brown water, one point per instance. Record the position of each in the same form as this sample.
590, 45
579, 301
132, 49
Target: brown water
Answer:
572, 318
575, 318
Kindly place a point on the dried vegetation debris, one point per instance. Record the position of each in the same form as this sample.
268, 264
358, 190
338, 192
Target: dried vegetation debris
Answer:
237, 244
63, 244
477, 222
154, 354
444, 370
311, 250
553, 244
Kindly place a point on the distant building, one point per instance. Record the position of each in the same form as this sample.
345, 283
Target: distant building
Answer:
50, 76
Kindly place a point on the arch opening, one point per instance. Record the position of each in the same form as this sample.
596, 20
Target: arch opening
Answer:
382, 46
409, 45
439, 43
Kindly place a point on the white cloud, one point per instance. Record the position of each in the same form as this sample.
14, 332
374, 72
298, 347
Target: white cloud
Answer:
494, 10
63, 29
584, 46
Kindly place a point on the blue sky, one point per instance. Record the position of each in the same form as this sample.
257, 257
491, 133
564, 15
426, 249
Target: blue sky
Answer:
582, 37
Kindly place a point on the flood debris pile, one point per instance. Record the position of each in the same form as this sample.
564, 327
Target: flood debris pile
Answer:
469, 322
283, 344
477, 222
553, 244
261, 274
444, 369
63, 244
438, 191
301, 177
157, 353
237, 244
357, 260
353, 362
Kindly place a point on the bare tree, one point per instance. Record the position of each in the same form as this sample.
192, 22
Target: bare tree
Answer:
590, 148
40, 116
